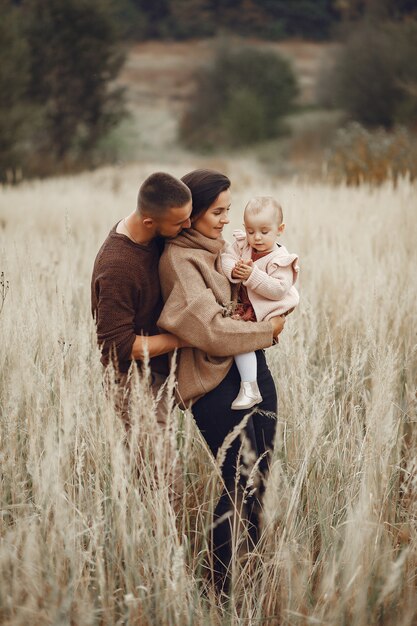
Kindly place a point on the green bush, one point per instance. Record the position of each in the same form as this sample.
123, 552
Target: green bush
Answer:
375, 75
362, 156
240, 99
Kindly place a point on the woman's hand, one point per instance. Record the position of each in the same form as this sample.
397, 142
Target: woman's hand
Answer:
243, 269
278, 324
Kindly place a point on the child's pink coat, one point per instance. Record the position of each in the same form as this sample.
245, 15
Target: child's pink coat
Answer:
271, 284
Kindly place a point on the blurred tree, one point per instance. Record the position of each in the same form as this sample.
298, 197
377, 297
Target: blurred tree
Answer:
157, 15
404, 38
132, 21
375, 76
239, 100
349, 9
270, 19
308, 18
404, 7
390, 9
238, 16
191, 18
352, 10
74, 57
14, 76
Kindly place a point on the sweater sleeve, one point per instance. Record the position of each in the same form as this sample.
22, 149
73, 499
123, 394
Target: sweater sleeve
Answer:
116, 303
228, 259
192, 313
273, 286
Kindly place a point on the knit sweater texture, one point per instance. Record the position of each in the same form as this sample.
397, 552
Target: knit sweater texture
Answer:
197, 298
126, 298
270, 286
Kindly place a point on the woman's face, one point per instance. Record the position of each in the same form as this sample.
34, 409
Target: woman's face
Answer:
212, 221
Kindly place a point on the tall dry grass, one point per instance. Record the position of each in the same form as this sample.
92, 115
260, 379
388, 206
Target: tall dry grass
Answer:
89, 535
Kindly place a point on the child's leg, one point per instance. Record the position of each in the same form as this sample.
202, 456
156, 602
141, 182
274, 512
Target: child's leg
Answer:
247, 366
249, 393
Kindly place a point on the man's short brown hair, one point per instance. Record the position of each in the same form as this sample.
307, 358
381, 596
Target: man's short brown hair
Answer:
161, 192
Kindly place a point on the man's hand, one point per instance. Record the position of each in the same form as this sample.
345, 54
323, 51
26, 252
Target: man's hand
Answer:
278, 324
243, 269
184, 344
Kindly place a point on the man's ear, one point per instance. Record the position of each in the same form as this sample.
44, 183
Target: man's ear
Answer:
148, 222
281, 228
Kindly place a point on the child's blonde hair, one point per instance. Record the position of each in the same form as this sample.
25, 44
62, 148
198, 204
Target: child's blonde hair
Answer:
259, 203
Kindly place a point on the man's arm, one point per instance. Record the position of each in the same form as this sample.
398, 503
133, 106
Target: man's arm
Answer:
114, 307
155, 345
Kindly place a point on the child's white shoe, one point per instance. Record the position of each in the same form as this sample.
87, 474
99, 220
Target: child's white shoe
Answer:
248, 396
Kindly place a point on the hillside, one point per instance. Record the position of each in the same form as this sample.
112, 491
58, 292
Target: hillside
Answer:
159, 79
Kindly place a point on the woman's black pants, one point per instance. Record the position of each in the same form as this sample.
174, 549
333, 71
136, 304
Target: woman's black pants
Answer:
215, 419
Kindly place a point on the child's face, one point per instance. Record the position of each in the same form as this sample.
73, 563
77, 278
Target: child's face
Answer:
262, 229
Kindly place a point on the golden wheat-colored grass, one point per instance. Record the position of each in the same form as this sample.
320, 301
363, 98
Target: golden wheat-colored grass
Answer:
88, 538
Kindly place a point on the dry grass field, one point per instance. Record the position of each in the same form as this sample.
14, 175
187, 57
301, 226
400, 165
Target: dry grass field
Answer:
86, 539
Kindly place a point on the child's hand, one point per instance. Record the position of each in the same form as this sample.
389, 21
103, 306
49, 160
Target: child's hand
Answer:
243, 269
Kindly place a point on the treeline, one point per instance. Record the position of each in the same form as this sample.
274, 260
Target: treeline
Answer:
269, 19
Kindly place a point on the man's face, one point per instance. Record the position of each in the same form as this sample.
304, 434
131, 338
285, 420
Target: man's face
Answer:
173, 221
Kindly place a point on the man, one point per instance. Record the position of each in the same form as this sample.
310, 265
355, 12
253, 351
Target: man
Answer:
125, 292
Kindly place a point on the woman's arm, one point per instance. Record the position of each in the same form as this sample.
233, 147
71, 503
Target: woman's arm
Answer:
201, 324
192, 313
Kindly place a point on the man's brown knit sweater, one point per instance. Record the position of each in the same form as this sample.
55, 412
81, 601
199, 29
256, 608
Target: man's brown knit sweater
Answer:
196, 294
125, 297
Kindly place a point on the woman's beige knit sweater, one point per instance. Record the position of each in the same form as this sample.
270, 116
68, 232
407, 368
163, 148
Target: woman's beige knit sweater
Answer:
197, 296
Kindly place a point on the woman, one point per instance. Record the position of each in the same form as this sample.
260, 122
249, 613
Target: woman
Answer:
197, 309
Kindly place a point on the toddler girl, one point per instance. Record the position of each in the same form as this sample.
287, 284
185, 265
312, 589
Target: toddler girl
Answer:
266, 273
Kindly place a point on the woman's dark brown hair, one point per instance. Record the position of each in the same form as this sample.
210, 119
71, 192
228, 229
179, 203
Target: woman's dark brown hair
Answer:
205, 186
